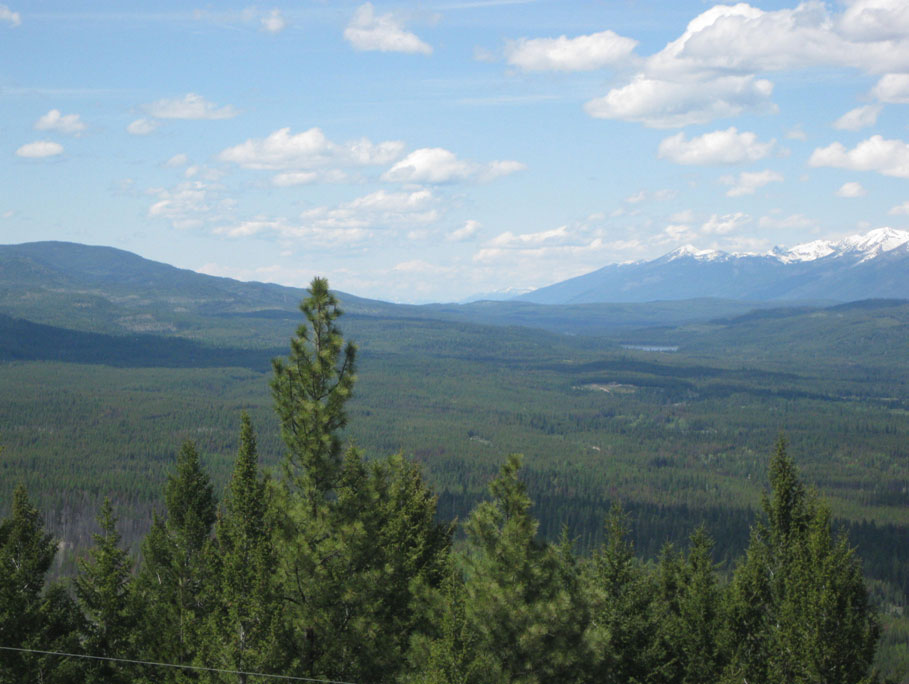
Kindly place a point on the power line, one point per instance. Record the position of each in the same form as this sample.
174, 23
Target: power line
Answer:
171, 665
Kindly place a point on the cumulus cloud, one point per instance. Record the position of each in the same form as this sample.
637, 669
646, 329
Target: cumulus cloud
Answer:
283, 150
582, 53
875, 20
190, 106
438, 165
887, 157
346, 223
900, 210
747, 182
711, 70
190, 204
9, 17
858, 118
62, 123
850, 190
384, 33
725, 224
286, 180
718, 147
892, 88
467, 231
664, 103
40, 149
273, 22
142, 127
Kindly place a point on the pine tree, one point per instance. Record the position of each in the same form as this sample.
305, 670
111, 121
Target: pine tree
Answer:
242, 629
310, 389
103, 593
355, 538
798, 609
524, 602
174, 566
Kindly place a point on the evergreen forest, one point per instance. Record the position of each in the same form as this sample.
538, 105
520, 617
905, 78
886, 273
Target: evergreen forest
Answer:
340, 565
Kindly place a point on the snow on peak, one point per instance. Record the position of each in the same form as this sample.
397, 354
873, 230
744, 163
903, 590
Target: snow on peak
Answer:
695, 253
868, 246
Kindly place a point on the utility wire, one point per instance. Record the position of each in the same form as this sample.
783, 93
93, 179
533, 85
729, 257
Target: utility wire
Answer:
179, 667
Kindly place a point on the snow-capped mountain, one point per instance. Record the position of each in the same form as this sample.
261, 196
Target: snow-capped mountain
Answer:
872, 265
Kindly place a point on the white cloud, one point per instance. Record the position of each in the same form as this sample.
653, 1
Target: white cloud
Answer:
63, 123
273, 22
725, 224
887, 157
177, 161
190, 106
189, 204
438, 165
900, 210
718, 147
851, 190
309, 149
712, 69
40, 149
656, 195
663, 103
858, 118
684, 216
467, 231
582, 53
678, 232
142, 127
10, 17
385, 33
749, 182
892, 88
875, 20
796, 134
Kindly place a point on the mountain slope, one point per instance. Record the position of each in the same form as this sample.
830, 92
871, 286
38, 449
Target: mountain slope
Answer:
874, 265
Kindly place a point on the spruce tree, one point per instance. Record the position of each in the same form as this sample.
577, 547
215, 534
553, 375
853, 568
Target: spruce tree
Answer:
174, 570
103, 593
242, 627
798, 609
622, 633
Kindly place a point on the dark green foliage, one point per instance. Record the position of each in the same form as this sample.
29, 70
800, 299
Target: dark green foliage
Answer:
243, 626
357, 539
30, 616
175, 568
798, 608
524, 603
690, 614
310, 389
622, 633
103, 593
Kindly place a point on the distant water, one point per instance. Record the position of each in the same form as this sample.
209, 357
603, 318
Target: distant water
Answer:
650, 347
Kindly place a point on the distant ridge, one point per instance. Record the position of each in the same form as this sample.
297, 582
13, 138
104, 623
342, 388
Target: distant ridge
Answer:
874, 265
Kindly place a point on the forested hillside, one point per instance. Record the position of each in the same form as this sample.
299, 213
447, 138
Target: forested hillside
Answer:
100, 384
338, 568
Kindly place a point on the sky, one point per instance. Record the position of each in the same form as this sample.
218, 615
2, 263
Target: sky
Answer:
436, 150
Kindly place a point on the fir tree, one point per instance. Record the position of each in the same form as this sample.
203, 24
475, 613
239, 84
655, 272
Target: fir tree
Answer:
174, 571
242, 629
799, 610
103, 593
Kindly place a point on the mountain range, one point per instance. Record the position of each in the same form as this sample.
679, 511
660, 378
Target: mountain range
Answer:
872, 265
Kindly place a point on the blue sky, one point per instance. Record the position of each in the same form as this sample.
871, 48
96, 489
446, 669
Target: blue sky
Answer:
430, 151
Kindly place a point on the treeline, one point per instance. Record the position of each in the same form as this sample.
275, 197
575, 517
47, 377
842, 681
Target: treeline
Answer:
337, 569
